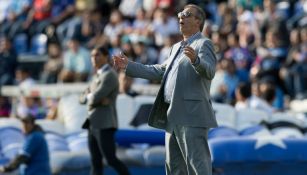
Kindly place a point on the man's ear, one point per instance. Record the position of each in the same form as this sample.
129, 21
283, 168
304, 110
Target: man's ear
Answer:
198, 22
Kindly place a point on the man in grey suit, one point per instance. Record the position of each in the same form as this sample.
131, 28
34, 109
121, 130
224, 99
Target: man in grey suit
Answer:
100, 98
183, 107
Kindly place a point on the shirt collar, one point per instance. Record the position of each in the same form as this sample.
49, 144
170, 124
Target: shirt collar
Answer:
191, 39
103, 68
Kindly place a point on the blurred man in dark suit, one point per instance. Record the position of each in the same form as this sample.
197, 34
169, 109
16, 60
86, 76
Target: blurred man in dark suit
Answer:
100, 98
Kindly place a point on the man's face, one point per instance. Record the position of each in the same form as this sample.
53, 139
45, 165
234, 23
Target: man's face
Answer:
98, 59
27, 127
73, 45
188, 22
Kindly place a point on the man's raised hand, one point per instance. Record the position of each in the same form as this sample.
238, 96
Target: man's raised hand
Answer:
120, 61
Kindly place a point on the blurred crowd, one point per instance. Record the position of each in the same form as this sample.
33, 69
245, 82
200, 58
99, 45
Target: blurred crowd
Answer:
261, 46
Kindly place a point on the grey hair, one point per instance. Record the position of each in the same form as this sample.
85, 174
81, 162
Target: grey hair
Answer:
200, 14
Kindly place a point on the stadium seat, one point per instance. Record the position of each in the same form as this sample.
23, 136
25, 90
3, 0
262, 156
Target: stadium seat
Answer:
77, 141
128, 137
71, 113
286, 125
287, 117
155, 156
39, 44
298, 106
11, 138
20, 43
287, 132
250, 117
222, 131
259, 156
52, 126
125, 111
225, 114
56, 142
11, 141
67, 163
142, 106
256, 130
10, 122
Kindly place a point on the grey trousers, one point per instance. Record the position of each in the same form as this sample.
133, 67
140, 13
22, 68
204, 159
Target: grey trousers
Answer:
187, 151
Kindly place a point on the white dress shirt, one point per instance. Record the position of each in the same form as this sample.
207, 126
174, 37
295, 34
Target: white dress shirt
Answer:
172, 75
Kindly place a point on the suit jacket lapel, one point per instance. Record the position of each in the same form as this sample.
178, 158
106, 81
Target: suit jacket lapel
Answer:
174, 54
194, 46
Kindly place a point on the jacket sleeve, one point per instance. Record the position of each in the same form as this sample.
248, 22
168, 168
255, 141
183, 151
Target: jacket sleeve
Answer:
207, 60
150, 72
82, 97
108, 84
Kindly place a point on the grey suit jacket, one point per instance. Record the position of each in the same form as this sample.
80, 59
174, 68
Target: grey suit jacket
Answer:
104, 85
190, 105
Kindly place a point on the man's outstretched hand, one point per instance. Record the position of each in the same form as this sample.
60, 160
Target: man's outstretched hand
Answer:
120, 61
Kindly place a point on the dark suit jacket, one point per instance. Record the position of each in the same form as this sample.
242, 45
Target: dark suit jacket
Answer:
102, 86
190, 105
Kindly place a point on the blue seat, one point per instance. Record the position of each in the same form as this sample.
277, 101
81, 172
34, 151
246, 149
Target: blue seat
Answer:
126, 137
222, 131
155, 156
77, 141
56, 142
259, 156
68, 163
11, 141
252, 130
20, 43
39, 44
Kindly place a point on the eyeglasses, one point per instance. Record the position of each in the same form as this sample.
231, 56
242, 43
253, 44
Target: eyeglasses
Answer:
185, 14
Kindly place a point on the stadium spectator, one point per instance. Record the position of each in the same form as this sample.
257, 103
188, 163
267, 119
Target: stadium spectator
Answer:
28, 105
243, 94
115, 28
129, 8
23, 78
139, 29
52, 108
295, 66
218, 90
62, 11
5, 4
5, 106
8, 62
34, 153
227, 82
92, 30
54, 64
77, 64
125, 83
73, 26
163, 25
241, 57
270, 57
145, 54
165, 50
16, 14
263, 95
38, 18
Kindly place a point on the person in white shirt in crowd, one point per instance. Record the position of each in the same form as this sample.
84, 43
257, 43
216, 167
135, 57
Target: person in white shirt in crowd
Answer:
163, 25
77, 65
263, 95
243, 94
